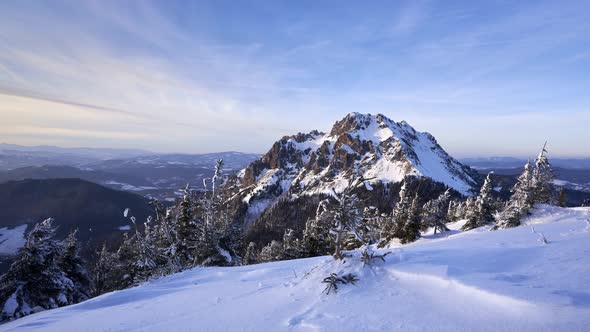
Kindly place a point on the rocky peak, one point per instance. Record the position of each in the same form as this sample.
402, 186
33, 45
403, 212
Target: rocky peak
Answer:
373, 146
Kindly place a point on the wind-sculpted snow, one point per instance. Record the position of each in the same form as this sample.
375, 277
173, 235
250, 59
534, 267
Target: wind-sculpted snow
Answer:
478, 280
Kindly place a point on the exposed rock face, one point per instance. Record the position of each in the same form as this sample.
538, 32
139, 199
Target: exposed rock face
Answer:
372, 146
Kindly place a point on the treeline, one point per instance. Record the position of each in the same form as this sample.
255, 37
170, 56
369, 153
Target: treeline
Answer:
199, 230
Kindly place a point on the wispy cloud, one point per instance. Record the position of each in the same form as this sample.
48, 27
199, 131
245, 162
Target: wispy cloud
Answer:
199, 77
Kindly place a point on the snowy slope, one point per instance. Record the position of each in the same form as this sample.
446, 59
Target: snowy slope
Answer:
474, 281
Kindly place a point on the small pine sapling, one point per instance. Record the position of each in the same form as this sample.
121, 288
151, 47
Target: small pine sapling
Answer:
367, 256
350, 279
333, 280
542, 237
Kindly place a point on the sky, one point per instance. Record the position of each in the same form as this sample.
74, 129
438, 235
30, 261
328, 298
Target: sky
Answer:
486, 78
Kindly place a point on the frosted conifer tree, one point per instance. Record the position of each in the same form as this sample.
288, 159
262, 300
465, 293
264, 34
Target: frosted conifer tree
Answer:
521, 201
292, 247
251, 255
166, 240
480, 212
35, 281
74, 267
316, 236
411, 228
186, 229
213, 225
272, 252
435, 213
146, 255
344, 211
523, 191
542, 179
399, 216
125, 268
103, 272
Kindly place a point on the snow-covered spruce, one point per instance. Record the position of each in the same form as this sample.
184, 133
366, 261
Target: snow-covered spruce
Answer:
405, 218
479, 212
435, 213
533, 186
47, 274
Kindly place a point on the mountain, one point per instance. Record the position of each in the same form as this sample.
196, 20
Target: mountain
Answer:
232, 160
380, 150
61, 172
170, 171
506, 280
96, 211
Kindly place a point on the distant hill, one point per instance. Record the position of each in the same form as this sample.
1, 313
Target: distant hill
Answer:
63, 172
509, 162
575, 183
95, 210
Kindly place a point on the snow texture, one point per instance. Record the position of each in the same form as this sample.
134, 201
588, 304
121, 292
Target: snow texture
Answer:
478, 280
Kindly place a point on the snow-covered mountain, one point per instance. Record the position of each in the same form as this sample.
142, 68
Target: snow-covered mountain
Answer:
371, 146
507, 280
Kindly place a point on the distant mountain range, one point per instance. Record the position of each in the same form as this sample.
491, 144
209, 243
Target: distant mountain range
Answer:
509, 162
156, 175
13, 156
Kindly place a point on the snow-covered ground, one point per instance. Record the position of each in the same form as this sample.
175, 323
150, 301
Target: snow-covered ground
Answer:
572, 185
12, 239
128, 187
507, 280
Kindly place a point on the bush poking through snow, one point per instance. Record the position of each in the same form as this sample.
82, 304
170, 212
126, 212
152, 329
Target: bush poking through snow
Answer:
333, 280
367, 256
350, 278
542, 237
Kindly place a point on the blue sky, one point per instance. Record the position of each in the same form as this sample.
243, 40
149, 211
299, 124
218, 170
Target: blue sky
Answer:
484, 77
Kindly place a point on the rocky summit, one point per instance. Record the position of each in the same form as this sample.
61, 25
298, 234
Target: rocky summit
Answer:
374, 147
